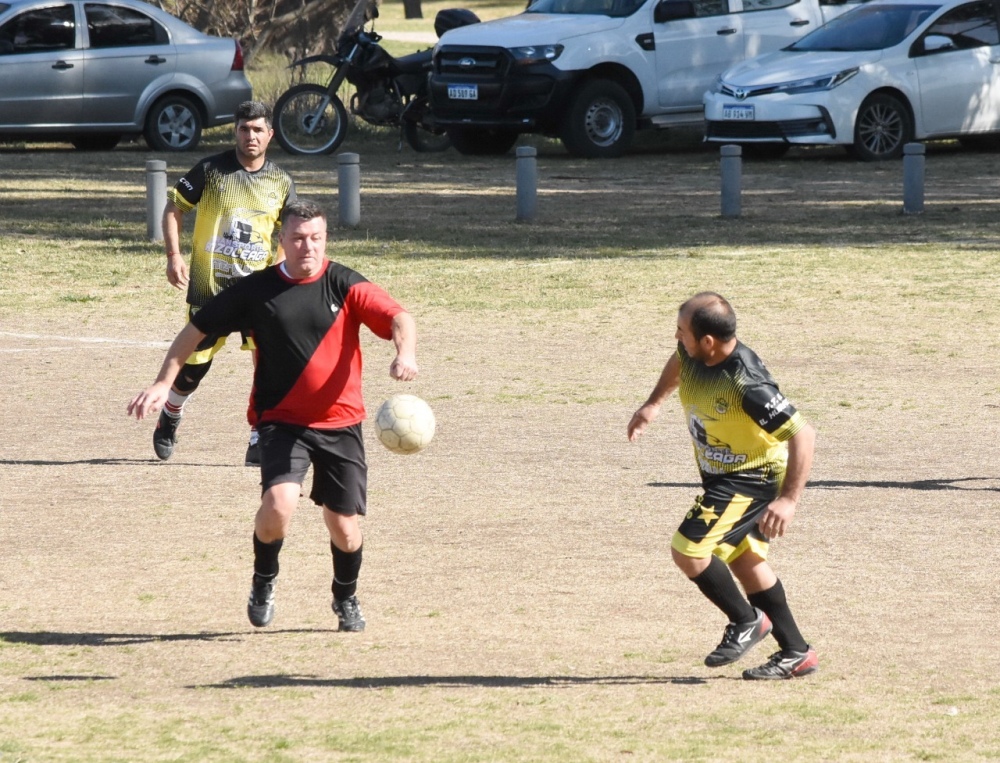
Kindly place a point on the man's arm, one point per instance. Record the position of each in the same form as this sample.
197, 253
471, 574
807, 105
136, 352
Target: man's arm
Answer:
404, 336
669, 381
775, 520
151, 399
177, 269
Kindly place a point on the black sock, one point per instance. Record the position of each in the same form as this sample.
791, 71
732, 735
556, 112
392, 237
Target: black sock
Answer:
265, 558
346, 567
719, 586
773, 603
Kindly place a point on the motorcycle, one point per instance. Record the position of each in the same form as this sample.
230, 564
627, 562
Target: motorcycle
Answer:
311, 119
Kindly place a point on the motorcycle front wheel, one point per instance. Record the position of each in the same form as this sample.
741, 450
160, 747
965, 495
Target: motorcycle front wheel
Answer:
308, 120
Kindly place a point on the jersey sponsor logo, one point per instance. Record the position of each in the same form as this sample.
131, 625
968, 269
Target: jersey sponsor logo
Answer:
186, 183
774, 407
723, 456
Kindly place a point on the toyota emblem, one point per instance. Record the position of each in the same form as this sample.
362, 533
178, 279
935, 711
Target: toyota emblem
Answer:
740, 93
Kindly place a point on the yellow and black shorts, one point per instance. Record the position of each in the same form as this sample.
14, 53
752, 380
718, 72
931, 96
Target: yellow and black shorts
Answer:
723, 520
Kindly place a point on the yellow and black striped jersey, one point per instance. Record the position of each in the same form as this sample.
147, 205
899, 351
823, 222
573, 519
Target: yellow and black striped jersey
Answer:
738, 419
235, 231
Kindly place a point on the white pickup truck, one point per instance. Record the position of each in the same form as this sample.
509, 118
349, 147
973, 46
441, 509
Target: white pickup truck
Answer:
591, 72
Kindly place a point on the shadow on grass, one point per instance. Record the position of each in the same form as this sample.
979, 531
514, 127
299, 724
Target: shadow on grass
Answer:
942, 483
110, 462
54, 638
284, 680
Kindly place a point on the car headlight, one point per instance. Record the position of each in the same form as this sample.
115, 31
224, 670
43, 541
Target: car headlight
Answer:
536, 54
717, 85
814, 84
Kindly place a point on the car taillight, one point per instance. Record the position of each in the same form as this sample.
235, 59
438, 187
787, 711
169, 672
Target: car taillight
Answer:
238, 58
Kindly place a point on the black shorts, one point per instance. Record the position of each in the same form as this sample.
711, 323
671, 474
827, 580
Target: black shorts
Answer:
723, 520
340, 473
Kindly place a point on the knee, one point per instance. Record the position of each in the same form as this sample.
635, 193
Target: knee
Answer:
689, 565
190, 377
345, 532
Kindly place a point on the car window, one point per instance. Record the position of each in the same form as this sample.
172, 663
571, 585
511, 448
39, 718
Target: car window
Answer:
766, 5
866, 28
39, 30
114, 26
710, 8
615, 8
968, 26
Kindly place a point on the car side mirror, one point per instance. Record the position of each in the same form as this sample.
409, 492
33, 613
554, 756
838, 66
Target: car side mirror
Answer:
669, 10
937, 42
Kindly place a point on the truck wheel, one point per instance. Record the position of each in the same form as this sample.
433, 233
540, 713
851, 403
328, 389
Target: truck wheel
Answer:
479, 141
882, 128
600, 121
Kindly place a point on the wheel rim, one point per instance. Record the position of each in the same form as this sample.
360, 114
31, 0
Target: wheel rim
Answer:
604, 122
176, 126
309, 122
880, 129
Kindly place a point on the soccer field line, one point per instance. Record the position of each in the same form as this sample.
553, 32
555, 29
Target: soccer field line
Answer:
78, 340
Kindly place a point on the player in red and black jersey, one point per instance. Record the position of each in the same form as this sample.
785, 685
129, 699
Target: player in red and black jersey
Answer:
239, 195
754, 451
304, 315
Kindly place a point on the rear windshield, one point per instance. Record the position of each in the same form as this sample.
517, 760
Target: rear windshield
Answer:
867, 28
614, 8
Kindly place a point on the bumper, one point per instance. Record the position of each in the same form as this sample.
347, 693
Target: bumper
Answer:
771, 122
528, 98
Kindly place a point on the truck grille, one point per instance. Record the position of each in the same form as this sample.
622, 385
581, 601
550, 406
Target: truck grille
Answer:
473, 61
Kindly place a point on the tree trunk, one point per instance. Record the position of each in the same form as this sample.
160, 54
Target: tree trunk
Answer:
412, 10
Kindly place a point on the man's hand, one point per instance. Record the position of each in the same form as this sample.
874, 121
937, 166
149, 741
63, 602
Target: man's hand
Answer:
641, 419
774, 522
149, 401
403, 368
177, 271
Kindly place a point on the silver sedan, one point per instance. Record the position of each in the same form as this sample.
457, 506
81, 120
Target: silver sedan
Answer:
92, 71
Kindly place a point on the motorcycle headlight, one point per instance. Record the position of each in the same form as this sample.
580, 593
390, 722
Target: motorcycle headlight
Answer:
814, 84
536, 54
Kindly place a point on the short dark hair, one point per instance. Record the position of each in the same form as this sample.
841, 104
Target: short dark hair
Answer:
250, 110
711, 315
304, 209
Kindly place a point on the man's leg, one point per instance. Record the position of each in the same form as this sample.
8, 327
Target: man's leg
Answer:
190, 376
346, 547
766, 593
270, 527
747, 626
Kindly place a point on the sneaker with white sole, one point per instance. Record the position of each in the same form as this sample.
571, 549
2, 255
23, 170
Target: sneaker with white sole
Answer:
348, 612
738, 639
165, 435
260, 607
785, 664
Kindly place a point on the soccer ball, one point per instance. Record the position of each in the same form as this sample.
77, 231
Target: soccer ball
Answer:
404, 424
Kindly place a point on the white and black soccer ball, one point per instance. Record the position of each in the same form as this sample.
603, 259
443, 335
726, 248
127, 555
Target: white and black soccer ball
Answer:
405, 424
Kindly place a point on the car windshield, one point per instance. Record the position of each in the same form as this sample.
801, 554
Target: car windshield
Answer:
866, 28
614, 8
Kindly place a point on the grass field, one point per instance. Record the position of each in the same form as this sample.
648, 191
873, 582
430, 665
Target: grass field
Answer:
520, 597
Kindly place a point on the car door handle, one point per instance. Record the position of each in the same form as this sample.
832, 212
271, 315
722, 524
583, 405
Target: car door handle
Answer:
798, 22
726, 31
62, 65
156, 60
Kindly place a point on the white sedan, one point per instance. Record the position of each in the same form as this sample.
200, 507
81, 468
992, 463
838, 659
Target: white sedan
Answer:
874, 79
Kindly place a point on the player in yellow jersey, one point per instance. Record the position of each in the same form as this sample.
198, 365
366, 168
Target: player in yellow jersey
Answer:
754, 452
239, 195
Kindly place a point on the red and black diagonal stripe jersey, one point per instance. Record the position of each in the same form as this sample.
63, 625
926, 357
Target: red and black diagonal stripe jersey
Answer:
307, 335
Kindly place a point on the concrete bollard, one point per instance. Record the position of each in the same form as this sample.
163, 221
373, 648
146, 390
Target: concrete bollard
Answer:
156, 198
913, 178
732, 180
349, 189
527, 183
